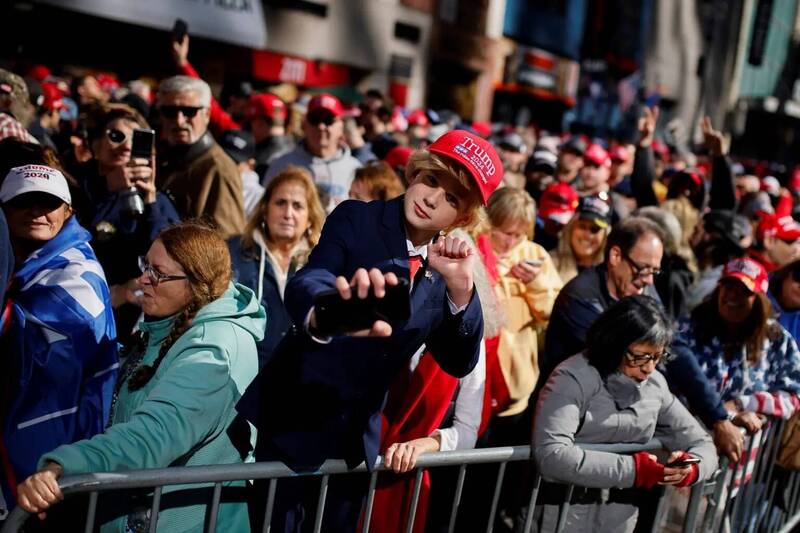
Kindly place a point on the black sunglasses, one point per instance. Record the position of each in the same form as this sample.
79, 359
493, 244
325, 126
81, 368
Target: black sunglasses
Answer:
116, 136
324, 117
171, 111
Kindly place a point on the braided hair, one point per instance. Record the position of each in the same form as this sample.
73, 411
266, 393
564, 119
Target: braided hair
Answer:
204, 257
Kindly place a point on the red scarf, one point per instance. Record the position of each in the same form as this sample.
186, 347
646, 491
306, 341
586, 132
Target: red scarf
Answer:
496, 395
416, 406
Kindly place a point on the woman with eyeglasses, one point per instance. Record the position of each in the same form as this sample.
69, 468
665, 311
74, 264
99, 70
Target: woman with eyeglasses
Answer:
124, 212
613, 393
526, 284
276, 242
583, 239
57, 340
175, 398
753, 362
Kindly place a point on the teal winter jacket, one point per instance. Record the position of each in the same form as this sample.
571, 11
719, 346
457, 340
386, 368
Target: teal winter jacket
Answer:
183, 416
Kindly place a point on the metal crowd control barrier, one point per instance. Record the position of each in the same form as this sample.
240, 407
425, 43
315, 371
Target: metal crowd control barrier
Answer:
755, 507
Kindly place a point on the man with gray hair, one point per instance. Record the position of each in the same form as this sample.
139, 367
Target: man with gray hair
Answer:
15, 108
197, 174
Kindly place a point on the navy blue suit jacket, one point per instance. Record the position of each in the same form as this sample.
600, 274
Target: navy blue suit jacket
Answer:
316, 401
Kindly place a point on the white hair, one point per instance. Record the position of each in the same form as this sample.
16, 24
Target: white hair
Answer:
185, 84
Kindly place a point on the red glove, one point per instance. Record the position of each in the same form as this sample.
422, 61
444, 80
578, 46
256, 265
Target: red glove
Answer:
648, 471
693, 475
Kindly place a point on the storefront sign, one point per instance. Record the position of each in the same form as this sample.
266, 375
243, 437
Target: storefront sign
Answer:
239, 22
271, 66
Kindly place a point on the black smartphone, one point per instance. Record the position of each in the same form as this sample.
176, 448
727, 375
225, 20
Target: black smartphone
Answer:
179, 30
682, 463
336, 316
142, 144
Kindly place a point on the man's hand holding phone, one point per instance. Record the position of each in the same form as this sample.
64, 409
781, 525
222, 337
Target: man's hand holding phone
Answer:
363, 284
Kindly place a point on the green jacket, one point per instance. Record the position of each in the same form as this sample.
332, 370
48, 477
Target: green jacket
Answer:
181, 417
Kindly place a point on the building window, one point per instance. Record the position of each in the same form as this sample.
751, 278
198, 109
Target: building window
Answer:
401, 66
317, 8
407, 32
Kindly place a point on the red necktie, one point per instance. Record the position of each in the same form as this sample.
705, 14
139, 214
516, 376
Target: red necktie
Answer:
414, 262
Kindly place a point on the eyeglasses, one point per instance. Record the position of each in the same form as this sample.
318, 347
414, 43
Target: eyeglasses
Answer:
640, 271
116, 136
321, 117
171, 111
155, 276
641, 359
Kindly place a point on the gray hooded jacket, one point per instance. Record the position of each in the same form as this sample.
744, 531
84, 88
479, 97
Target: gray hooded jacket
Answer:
577, 406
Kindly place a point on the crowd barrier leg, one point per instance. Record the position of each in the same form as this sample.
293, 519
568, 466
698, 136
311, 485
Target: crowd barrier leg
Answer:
412, 511
155, 507
692, 508
563, 510
373, 482
501, 472
323, 494
713, 503
90, 514
462, 473
771, 485
537, 481
213, 511
273, 485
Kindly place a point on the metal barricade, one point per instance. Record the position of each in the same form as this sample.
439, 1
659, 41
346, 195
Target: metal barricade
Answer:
743, 511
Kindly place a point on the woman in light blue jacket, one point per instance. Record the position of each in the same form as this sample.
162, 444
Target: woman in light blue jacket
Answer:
178, 387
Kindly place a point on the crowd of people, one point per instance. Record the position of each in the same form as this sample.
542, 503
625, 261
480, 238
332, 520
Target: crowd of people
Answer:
160, 301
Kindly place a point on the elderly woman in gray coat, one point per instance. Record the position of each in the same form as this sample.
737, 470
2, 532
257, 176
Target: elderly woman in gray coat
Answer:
612, 393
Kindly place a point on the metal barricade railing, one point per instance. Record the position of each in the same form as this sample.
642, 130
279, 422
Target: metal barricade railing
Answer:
744, 511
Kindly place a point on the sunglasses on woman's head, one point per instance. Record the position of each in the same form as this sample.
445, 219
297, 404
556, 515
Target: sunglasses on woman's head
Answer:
116, 136
171, 111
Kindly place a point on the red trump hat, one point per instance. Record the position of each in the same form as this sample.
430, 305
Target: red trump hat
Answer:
751, 273
476, 155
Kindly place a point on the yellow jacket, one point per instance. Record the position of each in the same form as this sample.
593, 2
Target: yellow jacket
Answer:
527, 309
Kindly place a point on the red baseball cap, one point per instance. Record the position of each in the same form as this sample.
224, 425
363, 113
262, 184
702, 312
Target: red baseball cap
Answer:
558, 202
328, 102
784, 228
620, 154
418, 118
596, 154
39, 73
751, 273
398, 156
484, 129
51, 97
266, 105
476, 155
661, 150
